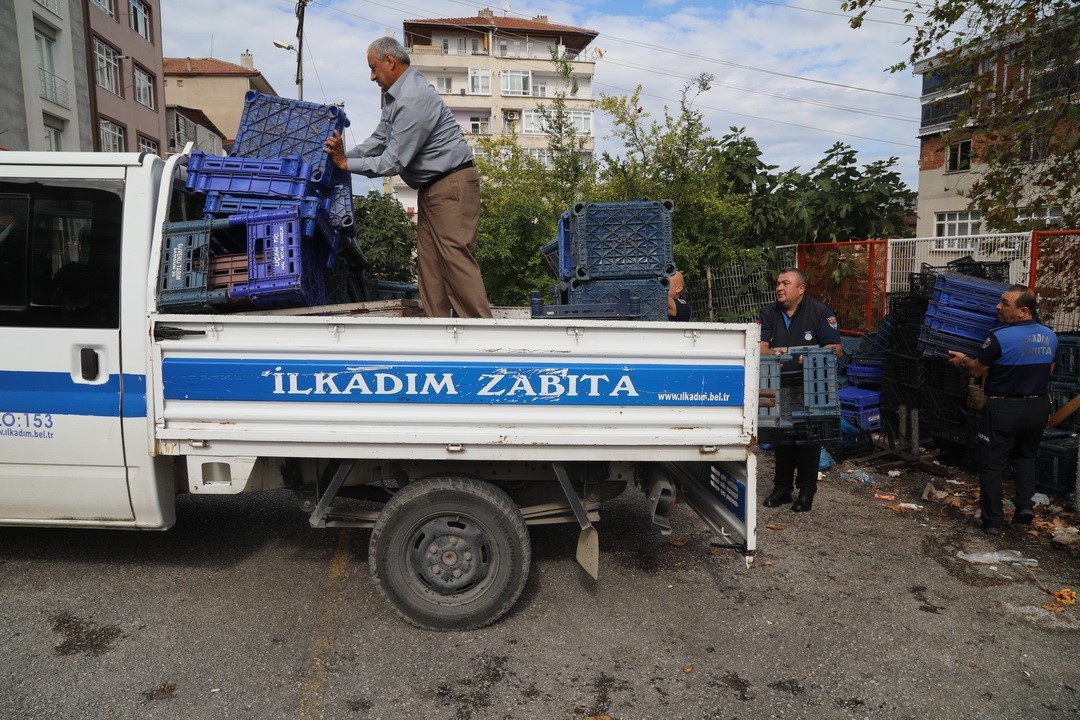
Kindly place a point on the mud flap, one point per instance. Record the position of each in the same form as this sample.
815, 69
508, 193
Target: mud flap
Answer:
724, 495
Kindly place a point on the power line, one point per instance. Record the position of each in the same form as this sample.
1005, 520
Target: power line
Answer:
827, 12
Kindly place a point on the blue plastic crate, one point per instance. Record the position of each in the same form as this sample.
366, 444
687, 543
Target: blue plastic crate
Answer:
273, 126
974, 326
978, 303
313, 211
185, 277
200, 162
557, 252
257, 178
651, 292
971, 287
861, 375
622, 239
858, 398
868, 419
285, 269
341, 202
937, 343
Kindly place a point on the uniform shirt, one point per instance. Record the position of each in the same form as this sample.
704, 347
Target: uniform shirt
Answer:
417, 136
812, 323
1020, 356
683, 311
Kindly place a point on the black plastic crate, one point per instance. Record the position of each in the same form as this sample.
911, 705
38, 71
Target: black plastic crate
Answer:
936, 343
1067, 361
854, 445
1056, 459
903, 370
627, 308
894, 395
945, 408
904, 339
938, 375
187, 253
1060, 394
907, 307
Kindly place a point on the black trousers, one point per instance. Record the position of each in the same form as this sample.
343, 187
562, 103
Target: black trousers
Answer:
797, 465
1010, 430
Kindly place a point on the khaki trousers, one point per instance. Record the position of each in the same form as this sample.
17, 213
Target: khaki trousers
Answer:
448, 276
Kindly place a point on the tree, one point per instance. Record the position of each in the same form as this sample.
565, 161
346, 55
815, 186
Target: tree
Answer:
678, 160
837, 201
1014, 64
387, 236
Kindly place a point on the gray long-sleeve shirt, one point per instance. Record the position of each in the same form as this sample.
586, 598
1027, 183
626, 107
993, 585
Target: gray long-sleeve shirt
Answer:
417, 136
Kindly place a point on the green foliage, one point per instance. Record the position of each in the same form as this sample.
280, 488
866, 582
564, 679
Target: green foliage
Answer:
1025, 120
387, 237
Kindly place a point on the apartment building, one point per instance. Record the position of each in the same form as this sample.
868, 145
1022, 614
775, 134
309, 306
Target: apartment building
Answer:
191, 125
215, 87
125, 49
948, 166
43, 77
494, 72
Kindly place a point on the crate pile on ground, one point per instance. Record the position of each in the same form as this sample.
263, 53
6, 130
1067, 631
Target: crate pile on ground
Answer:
612, 260
1057, 455
277, 229
799, 401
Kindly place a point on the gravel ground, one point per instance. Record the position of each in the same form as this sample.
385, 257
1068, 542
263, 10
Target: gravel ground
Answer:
854, 610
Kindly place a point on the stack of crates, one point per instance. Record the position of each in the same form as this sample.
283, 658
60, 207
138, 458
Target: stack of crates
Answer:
801, 404
277, 209
605, 250
866, 367
861, 407
960, 315
1065, 380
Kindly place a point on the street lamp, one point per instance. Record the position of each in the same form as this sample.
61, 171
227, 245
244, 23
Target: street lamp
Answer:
299, 67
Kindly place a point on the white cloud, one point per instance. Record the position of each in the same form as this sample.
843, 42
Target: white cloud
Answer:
784, 40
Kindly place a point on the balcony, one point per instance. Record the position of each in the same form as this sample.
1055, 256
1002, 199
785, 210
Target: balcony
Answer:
52, 6
53, 88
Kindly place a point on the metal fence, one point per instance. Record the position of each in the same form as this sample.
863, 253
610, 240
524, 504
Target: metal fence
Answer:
1055, 269
850, 278
737, 292
912, 255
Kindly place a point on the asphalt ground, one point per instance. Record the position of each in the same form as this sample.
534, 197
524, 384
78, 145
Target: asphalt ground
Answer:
854, 610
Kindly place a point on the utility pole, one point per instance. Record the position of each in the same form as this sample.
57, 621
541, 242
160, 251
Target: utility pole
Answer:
300, 6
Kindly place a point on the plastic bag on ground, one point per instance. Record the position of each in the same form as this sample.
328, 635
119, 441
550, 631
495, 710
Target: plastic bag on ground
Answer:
997, 556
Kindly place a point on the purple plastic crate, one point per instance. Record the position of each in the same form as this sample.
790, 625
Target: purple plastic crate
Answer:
273, 126
285, 269
313, 212
250, 183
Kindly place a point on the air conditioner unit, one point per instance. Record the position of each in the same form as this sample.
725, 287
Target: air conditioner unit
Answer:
513, 115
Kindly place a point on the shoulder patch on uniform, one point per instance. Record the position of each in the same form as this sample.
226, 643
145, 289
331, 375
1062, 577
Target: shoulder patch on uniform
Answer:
832, 321
986, 342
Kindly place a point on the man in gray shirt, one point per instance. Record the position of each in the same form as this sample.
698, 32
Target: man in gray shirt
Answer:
418, 139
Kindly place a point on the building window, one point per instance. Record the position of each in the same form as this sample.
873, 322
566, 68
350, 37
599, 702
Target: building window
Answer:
1050, 217
581, 121
532, 123
446, 46
444, 84
476, 46
480, 125
52, 137
479, 81
461, 46
516, 82
112, 137
144, 88
140, 18
959, 156
540, 155
539, 88
956, 225
108, 66
106, 5
52, 87
147, 145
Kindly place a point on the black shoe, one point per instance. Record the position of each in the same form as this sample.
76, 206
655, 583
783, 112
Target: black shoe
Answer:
777, 498
992, 529
1023, 517
803, 503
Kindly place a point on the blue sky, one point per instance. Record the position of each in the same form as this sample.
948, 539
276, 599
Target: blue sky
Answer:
789, 71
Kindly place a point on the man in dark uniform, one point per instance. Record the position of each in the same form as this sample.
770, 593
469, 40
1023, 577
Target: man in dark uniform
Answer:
677, 308
1017, 360
795, 320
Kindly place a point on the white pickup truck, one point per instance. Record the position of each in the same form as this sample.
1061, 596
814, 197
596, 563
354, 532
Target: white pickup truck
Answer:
446, 437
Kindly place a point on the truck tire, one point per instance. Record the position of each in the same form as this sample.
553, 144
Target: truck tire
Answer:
450, 553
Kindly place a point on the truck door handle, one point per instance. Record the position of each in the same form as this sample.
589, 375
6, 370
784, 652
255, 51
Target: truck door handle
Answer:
168, 332
88, 358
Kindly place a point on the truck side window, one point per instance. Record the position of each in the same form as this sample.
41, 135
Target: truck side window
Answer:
60, 253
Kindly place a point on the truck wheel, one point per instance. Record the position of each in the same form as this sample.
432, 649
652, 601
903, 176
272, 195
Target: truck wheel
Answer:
450, 553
